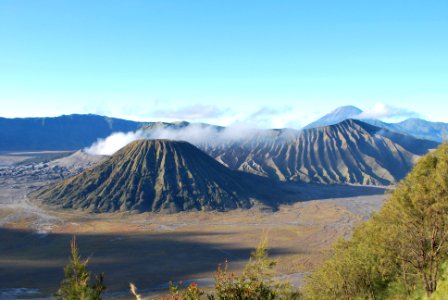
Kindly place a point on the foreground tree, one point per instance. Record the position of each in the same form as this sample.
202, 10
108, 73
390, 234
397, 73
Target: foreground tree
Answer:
76, 284
416, 219
356, 269
401, 249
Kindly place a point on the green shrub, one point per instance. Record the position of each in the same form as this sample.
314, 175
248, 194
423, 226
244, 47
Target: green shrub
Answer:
255, 283
192, 292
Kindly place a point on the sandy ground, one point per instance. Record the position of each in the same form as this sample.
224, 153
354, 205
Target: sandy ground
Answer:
151, 249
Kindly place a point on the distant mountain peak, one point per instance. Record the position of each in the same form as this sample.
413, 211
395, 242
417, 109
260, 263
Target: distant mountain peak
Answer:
347, 109
335, 116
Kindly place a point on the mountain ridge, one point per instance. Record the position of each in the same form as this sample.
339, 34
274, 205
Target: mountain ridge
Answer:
349, 152
417, 127
66, 132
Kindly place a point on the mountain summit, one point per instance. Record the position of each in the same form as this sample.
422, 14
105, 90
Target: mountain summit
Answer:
152, 175
336, 116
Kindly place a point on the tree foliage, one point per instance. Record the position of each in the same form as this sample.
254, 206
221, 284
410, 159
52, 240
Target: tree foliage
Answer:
192, 292
76, 284
255, 283
400, 251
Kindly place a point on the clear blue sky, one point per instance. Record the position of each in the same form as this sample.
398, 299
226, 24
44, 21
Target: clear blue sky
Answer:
280, 63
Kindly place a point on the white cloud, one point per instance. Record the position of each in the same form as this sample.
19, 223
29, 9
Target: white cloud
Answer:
384, 111
269, 117
193, 112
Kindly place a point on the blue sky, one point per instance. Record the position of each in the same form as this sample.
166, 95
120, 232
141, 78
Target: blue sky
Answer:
271, 63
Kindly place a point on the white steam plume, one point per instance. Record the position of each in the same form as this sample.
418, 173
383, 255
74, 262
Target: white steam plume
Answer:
197, 134
113, 143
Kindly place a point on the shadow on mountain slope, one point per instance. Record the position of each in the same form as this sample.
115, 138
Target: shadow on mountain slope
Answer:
272, 193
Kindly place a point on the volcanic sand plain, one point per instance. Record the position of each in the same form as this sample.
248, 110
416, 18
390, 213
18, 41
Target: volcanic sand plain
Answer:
150, 249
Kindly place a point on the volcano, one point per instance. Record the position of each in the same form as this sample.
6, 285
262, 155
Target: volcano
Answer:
152, 176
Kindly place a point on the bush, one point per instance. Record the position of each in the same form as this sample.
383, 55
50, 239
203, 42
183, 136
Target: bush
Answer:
192, 292
255, 283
